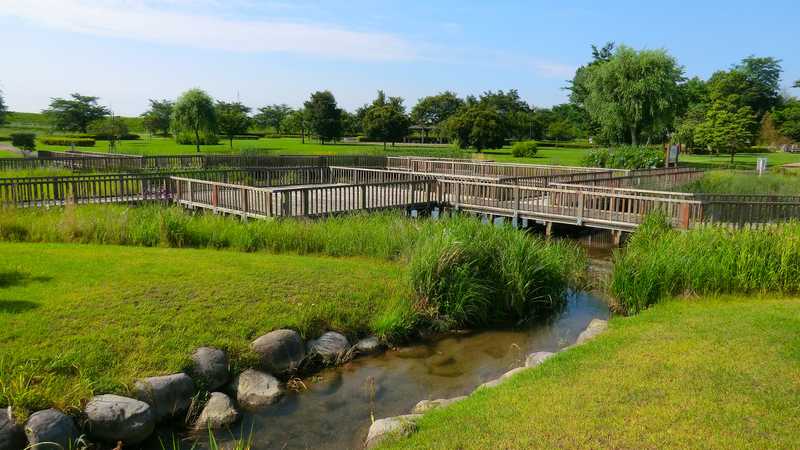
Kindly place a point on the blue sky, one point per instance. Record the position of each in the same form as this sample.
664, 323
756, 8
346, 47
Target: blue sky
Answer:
126, 51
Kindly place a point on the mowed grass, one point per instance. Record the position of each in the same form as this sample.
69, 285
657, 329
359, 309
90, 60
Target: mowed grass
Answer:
77, 319
9, 154
695, 373
744, 183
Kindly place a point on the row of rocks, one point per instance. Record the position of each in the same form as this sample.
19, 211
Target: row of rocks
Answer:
112, 418
404, 425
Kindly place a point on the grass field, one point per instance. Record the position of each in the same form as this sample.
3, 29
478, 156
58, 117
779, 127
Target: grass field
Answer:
88, 318
9, 154
744, 183
693, 373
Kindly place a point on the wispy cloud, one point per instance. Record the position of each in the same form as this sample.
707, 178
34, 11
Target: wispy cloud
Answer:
178, 24
553, 69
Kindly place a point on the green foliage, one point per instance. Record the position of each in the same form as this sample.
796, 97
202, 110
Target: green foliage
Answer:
232, 119
76, 113
787, 119
3, 109
194, 119
324, 116
561, 130
273, 117
477, 126
385, 120
25, 141
726, 128
755, 83
524, 149
67, 141
433, 110
110, 129
659, 262
625, 157
158, 119
633, 94
748, 183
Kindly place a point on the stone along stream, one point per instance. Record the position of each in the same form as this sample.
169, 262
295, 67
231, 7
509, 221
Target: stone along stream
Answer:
335, 409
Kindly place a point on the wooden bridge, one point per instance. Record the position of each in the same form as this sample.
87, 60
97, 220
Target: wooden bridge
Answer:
617, 200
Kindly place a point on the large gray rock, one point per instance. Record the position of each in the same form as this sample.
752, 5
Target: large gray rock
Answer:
534, 359
210, 366
219, 412
596, 326
51, 430
113, 418
330, 346
427, 405
400, 426
368, 345
12, 437
168, 395
255, 389
503, 378
280, 351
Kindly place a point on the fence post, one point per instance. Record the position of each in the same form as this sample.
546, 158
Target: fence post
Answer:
214, 194
245, 202
516, 200
683, 216
362, 199
579, 219
458, 195
305, 202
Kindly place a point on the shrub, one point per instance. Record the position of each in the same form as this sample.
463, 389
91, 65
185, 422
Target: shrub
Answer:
25, 141
625, 157
187, 138
524, 149
65, 141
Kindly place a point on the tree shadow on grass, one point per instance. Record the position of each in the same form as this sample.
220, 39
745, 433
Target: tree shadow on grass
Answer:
16, 306
11, 278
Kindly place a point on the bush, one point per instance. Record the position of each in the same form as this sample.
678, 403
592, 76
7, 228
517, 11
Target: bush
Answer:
566, 144
626, 157
524, 149
65, 141
25, 141
186, 138
660, 262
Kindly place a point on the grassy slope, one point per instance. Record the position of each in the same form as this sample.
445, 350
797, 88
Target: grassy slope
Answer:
118, 313
716, 373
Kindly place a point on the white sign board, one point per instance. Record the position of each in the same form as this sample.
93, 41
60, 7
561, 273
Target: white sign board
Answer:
761, 165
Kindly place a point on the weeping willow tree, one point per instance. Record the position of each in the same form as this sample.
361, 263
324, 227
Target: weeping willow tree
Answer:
194, 119
633, 94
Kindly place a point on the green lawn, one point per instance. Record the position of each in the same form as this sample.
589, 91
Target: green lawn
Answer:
9, 154
694, 373
88, 318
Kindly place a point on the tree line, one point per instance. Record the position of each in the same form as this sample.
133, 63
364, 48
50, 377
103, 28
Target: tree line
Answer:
620, 96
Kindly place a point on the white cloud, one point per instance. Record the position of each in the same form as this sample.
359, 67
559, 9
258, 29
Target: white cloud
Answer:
553, 69
139, 20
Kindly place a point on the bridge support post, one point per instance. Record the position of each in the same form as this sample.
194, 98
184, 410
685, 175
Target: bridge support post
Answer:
548, 229
618, 237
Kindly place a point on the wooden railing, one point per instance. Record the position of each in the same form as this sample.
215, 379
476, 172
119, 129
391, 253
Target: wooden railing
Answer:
746, 210
652, 179
486, 169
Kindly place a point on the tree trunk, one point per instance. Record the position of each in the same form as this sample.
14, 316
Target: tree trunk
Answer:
634, 137
197, 139
733, 154
384, 145
231, 138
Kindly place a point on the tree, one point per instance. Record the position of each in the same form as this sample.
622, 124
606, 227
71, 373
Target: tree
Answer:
432, 111
111, 128
561, 130
159, 117
194, 118
324, 117
294, 123
797, 84
3, 110
76, 113
787, 120
272, 116
386, 120
726, 127
232, 119
755, 82
477, 126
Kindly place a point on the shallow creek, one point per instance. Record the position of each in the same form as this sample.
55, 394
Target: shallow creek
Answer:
334, 410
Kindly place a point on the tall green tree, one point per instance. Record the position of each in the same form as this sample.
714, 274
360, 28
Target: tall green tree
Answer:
561, 130
272, 116
727, 127
385, 120
797, 84
634, 94
158, 119
295, 123
232, 119
787, 119
3, 110
194, 118
324, 116
432, 111
754, 82
477, 126
75, 113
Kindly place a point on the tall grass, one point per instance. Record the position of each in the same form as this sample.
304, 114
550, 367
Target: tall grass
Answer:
659, 262
744, 183
461, 271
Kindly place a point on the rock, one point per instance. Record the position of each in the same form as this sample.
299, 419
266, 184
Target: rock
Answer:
391, 426
210, 365
12, 437
368, 345
329, 346
51, 430
596, 326
114, 418
490, 384
168, 396
255, 389
511, 373
219, 412
280, 351
534, 359
427, 405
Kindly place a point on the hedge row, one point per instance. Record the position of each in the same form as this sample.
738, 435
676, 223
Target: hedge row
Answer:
67, 141
103, 137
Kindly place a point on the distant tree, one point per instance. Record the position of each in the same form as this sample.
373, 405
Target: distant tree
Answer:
324, 117
726, 127
194, 118
797, 84
686, 126
158, 118
111, 129
232, 119
385, 120
755, 82
3, 110
578, 89
272, 116
634, 94
477, 126
351, 126
294, 123
75, 113
561, 130
787, 119
432, 111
